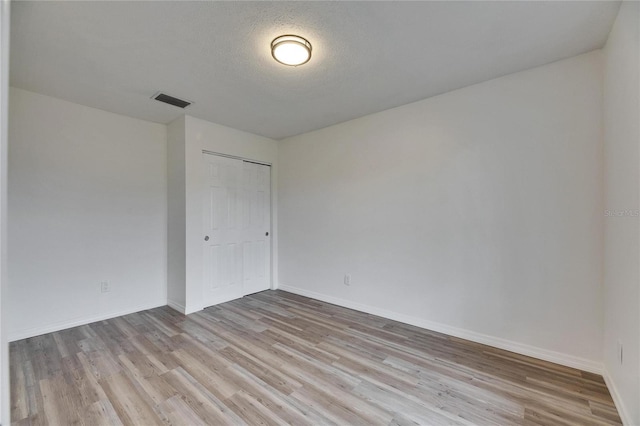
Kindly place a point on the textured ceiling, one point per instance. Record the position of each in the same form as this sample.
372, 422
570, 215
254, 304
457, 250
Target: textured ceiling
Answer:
367, 56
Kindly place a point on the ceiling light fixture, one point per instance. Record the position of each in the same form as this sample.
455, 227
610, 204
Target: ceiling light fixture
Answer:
291, 50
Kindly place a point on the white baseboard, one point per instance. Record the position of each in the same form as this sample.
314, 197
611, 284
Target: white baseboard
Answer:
50, 328
195, 308
625, 416
496, 342
177, 306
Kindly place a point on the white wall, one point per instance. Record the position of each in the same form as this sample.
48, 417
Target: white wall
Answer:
87, 203
203, 135
176, 259
477, 212
622, 187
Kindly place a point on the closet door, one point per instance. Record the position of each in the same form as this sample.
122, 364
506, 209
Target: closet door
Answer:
236, 228
222, 229
256, 223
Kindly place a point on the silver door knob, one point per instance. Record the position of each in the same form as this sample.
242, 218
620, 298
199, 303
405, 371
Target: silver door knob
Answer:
206, 238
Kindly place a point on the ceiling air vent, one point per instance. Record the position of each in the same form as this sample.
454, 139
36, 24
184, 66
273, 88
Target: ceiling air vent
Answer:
163, 97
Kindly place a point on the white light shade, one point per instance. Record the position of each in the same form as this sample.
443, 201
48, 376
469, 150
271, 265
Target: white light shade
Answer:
291, 50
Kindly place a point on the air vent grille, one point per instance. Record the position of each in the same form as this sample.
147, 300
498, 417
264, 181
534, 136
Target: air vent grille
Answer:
163, 97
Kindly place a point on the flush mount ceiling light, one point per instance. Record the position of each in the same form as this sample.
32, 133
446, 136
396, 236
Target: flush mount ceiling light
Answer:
291, 50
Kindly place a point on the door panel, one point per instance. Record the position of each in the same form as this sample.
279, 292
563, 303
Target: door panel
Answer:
257, 227
222, 259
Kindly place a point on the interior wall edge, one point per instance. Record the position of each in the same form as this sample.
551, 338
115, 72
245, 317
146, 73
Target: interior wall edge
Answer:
566, 360
177, 306
625, 415
188, 310
63, 325
5, 386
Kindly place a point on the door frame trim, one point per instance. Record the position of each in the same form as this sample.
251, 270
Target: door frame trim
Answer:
235, 157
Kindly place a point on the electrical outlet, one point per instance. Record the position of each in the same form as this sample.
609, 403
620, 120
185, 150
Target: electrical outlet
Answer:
105, 287
620, 352
347, 279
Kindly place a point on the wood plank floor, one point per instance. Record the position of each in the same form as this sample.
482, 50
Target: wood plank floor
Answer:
276, 358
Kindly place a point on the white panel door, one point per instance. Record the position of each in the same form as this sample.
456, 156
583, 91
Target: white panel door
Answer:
223, 231
256, 222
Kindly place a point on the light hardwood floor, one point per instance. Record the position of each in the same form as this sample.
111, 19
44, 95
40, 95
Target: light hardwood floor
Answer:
274, 358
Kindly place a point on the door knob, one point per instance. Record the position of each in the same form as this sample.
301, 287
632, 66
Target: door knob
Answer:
267, 234
206, 238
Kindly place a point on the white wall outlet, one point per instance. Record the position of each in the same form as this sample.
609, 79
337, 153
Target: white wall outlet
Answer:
105, 287
347, 279
620, 352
